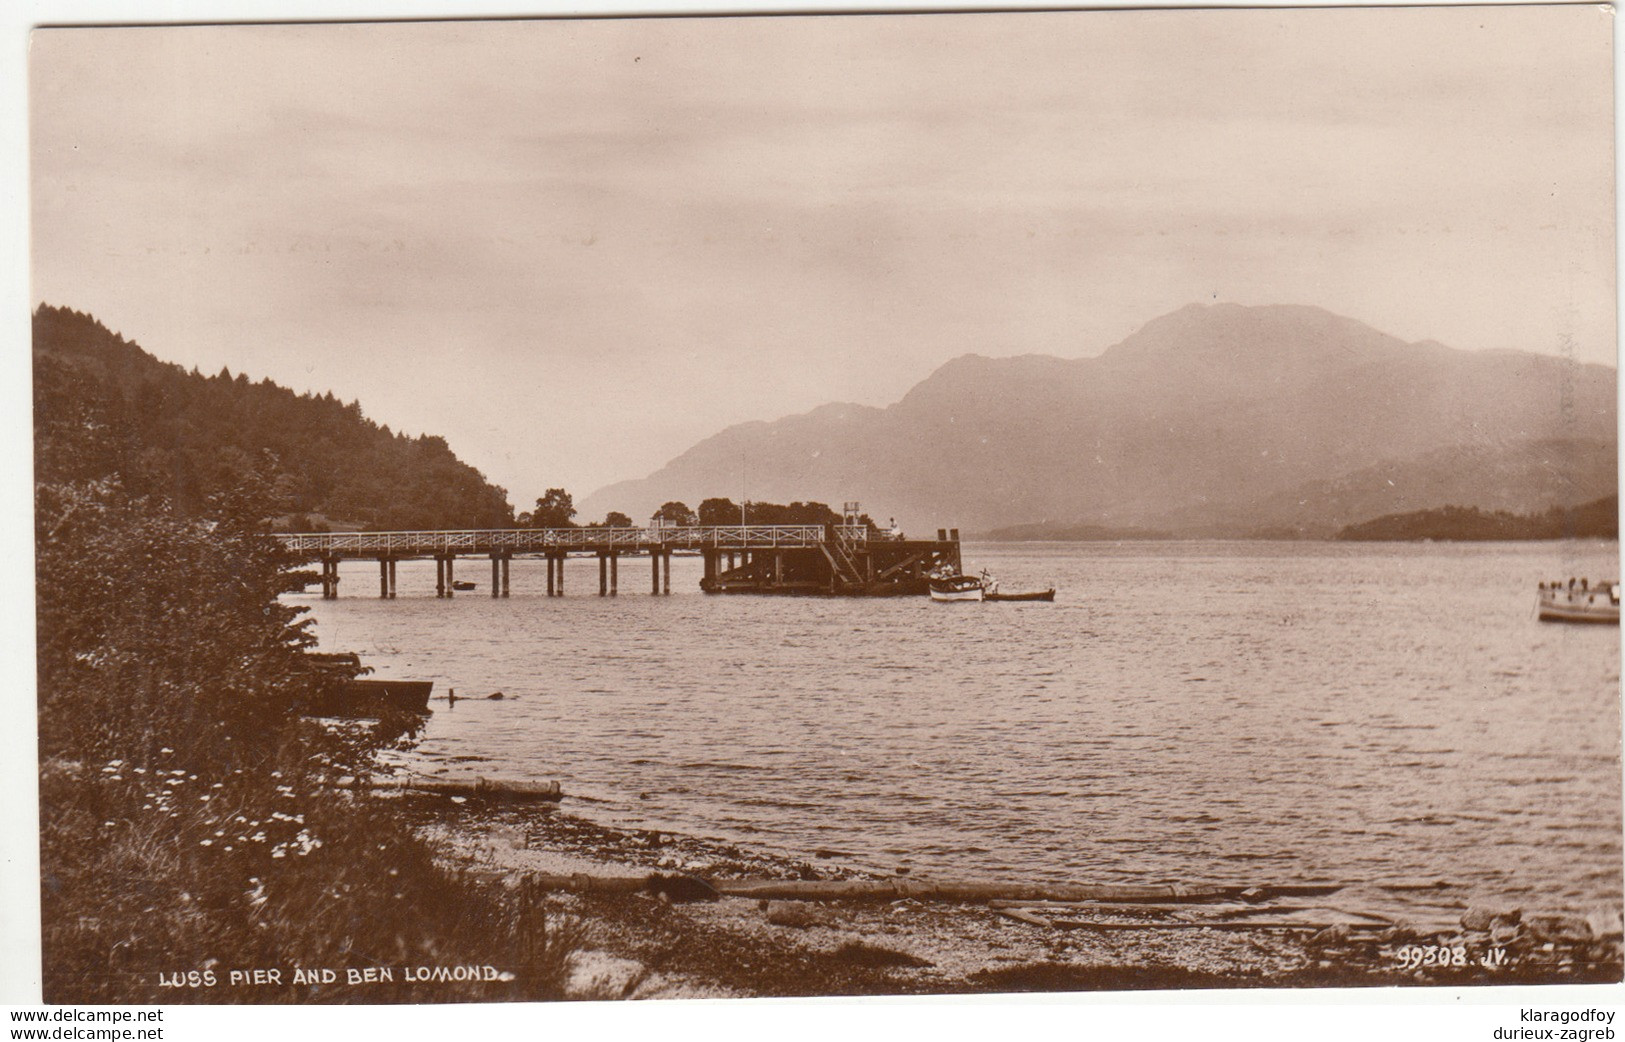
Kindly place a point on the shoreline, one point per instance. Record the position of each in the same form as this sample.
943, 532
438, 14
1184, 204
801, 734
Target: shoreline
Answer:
653, 945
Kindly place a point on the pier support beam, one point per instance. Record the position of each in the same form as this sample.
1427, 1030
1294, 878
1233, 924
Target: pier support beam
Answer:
393, 588
383, 579
439, 576
451, 578
710, 566
505, 560
603, 575
330, 578
654, 571
614, 574
496, 577
666, 568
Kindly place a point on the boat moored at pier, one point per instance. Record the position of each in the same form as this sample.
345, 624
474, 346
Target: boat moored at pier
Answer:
957, 588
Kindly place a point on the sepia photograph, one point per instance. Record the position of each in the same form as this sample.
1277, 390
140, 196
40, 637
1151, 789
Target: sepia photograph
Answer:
727, 506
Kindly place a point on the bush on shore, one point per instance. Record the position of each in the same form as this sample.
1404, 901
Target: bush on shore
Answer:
184, 830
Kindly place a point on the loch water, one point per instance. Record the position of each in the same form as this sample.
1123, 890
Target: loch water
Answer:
1378, 715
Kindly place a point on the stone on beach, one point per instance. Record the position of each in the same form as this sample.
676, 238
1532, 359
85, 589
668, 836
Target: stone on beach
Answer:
798, 914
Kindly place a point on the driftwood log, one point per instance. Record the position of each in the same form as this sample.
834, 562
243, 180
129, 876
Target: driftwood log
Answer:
478, 788
1224, 908
961, 892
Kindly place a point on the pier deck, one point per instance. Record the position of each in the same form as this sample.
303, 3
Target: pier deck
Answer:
832, 560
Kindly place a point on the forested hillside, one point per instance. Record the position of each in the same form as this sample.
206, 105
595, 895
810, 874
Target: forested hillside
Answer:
104, 407
1595, 520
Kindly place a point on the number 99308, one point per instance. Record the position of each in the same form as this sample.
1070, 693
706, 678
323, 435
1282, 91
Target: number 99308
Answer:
1416, 956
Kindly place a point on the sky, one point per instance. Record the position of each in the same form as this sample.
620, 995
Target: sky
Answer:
576, 247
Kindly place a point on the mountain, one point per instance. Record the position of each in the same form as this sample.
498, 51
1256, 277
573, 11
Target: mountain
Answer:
1213, 419
104, 407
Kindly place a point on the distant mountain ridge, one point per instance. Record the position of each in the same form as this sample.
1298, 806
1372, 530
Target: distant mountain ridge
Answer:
1214, 419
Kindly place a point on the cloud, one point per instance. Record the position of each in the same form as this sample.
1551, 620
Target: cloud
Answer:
580, 225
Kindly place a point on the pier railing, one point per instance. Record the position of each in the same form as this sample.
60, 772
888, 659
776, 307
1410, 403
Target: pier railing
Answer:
556, 540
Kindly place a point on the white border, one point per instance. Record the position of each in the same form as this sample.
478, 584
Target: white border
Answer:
1433, 1013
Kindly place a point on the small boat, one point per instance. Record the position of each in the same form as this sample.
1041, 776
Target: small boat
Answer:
462, 584
956, 588
364, 698
1582, 602
1028, 595
370, 698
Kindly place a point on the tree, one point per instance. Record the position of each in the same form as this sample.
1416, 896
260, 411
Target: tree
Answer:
554, 510
677, 513
799, 513
616, 519
716, 511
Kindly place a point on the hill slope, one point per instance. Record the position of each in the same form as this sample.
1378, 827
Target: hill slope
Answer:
1210, 418
105, 407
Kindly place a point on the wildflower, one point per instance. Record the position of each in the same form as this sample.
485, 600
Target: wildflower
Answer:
115, 777
141, 770
115, 763
107, 824
166, 750
217, 785
204, 799
205, 842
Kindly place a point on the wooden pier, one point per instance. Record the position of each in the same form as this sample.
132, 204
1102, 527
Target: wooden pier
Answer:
828, 560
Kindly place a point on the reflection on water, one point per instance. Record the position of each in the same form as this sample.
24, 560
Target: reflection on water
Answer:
1383, 715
